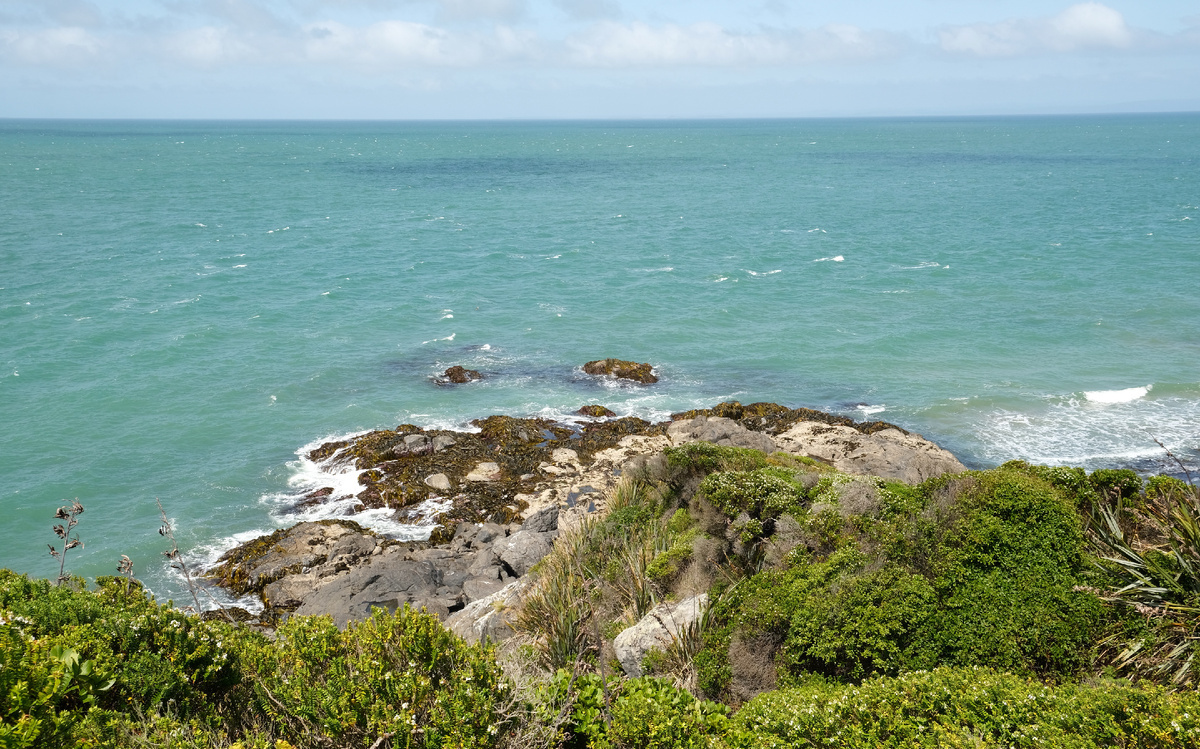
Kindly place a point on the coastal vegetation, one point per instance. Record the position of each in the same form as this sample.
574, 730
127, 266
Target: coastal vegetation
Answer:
1024, 606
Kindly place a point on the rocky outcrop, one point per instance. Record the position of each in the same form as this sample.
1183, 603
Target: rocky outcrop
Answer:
719, 431
552, 474
335, 544
595, 412
887, 453
622, 370
342, 570
656, 631
458, 375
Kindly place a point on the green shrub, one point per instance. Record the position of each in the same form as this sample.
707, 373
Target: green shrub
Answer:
1073, 482
33, 692
1004, 576
650, 713
155, 653
705, 457
1116, 482
763, 494
863, 626
967, 707
1168, 487
401, 674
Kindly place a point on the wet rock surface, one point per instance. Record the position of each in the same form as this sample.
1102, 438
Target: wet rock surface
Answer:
622, 370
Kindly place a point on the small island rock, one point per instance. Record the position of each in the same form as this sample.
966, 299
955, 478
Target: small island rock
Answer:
458, 375
622, 370
596, 412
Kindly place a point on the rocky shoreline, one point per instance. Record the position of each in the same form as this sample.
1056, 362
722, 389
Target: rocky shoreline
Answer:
504, 495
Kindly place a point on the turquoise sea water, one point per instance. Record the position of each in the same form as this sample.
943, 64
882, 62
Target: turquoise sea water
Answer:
184, 306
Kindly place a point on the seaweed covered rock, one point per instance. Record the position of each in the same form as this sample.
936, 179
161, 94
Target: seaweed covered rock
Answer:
458, 375
775, 419
595, 412
622, 370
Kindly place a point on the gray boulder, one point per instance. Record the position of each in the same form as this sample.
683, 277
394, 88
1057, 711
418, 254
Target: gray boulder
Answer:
719, 431
523, 549
489, 618
889, 453
544, 520
382, 583
656, 631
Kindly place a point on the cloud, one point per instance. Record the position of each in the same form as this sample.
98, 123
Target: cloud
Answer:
390, 43
1080, 27
209, 46
55, 47
639, 44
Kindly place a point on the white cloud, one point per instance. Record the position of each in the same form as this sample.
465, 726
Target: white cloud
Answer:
1079, 27
208, 46
405, 42
59, 46
639, 44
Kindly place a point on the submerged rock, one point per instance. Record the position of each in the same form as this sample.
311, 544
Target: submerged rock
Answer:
622, 370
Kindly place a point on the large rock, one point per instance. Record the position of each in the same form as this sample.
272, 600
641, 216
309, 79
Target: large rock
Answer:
489, 618
439, 481
889, 454
458, 375
544, 520
622, 370
719, 431
656, 631
382, 583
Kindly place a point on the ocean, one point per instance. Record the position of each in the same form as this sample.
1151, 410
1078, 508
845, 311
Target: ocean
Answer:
184, 306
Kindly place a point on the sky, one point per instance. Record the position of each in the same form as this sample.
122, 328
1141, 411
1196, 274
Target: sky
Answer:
594, 59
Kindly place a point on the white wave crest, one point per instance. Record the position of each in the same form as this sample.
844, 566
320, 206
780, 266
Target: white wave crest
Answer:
1118, 396
834, 259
